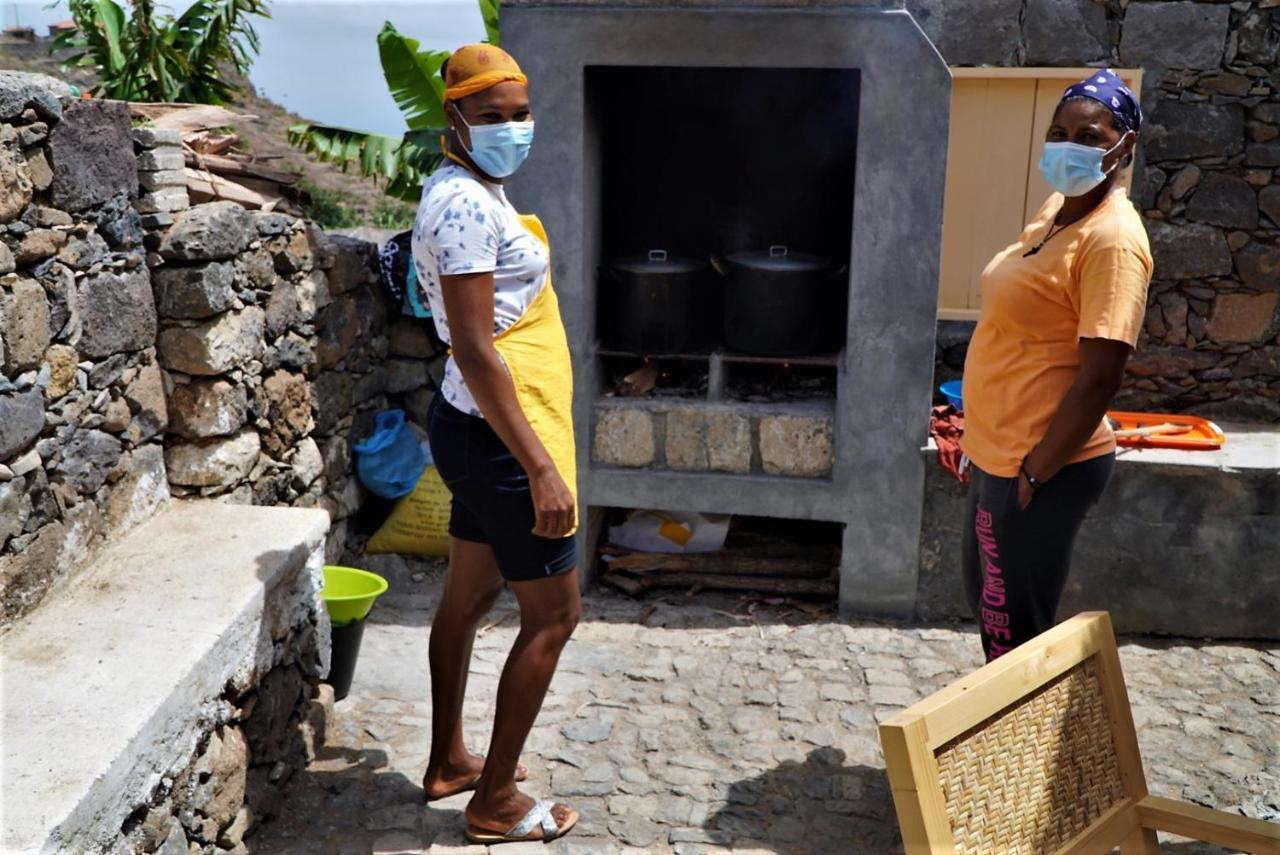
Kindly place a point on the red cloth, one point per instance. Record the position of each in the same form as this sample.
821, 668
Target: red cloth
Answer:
946, 426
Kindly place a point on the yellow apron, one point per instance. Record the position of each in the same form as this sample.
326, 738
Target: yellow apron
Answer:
536, 351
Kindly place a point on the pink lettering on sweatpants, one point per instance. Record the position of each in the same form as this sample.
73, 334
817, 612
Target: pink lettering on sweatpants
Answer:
995, 620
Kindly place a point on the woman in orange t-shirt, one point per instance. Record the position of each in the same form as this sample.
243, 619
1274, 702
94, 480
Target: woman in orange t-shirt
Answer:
1061, 312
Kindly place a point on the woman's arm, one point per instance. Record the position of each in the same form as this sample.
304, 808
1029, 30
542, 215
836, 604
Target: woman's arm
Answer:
1102, 364
468, 302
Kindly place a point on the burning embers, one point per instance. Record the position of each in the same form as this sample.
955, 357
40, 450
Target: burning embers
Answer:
720, 377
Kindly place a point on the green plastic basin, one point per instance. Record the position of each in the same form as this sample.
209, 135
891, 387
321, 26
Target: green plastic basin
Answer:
349, 593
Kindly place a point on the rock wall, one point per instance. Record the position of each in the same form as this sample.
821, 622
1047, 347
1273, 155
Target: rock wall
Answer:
1207, 180
259, 735
152, 350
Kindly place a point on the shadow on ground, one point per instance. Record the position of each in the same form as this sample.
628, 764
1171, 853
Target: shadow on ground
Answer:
820, 805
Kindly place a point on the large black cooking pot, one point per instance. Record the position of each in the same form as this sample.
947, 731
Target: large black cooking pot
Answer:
658, 304
783, 303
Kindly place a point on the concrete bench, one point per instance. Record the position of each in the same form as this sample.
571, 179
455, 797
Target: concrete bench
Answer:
1183, 543
112, 685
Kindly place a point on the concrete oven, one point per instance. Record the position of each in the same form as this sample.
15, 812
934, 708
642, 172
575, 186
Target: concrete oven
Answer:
713, 127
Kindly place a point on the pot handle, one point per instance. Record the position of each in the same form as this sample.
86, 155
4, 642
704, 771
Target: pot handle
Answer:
657, 256
718, 264
778, 250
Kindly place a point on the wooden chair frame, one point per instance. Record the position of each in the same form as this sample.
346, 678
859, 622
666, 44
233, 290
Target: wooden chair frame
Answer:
911, 739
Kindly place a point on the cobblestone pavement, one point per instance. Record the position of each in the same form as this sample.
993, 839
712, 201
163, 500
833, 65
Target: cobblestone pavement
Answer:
708, 729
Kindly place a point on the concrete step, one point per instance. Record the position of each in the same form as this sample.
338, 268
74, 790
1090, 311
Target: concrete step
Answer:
109, 686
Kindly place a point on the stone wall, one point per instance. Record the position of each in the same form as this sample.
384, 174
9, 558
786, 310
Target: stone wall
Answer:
152, 350
792, 441
1207, 180
258, 736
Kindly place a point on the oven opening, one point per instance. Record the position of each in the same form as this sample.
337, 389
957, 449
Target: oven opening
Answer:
725, 225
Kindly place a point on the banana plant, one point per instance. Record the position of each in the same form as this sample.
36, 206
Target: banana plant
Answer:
413, 76
145, 56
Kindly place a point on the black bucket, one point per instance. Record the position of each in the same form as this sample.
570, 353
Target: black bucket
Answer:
342, 663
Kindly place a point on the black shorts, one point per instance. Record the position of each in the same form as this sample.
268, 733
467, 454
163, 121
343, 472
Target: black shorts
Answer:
492, 503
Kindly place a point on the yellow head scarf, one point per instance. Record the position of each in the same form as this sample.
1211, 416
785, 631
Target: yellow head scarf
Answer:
475, 68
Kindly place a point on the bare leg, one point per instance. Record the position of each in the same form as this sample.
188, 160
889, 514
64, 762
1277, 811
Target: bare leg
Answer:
549, 611
470, 590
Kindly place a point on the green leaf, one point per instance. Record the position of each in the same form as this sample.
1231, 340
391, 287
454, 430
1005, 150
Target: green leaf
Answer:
489, 12
413, 77
111, 19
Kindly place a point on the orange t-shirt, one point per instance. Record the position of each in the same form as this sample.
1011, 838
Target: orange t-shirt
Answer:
1089, 281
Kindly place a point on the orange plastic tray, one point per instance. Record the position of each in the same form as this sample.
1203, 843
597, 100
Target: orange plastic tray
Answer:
1203, 436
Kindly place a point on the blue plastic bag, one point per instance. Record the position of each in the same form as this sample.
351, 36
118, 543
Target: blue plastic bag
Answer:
390, 460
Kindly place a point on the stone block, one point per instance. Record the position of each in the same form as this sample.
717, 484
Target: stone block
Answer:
270, 223
86, 459
142, 491
333, 393
215, 346
161, 160
157, 137
1065, 32
145, 394
91, 152
164, 178
203, 409
1268, 202
971, 32
163, 200
15, 510
33, 134
686, 446
313, 294
354, 262
117, 313
39, 244
39, 169
307, 463
337, 328
21, 420
256, 267
20, 90
119, 223
1243, 318
1170, 362
1263, 154
1181, 131
796, 446
289, 411
49, 217
283, 312
213, 463
624, 437
405, 375
26, 326
210, 232
7, 264
293, 252
1174, 35
409, 337
1259, 266
62, 361
1188, 251
28, 575
1259, 37
16, 187
194, 293
1224, 200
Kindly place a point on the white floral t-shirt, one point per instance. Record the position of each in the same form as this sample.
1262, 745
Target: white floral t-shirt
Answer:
466, 225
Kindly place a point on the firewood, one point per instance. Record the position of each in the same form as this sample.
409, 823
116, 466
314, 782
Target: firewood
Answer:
624, 584
207, 186
187, 117
760, 584
231, 166
724, 563
640, 382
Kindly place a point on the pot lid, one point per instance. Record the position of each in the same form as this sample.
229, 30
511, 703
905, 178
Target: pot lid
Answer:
780, 257
658, 261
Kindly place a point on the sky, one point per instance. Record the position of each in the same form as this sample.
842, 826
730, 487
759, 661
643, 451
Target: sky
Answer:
320, 57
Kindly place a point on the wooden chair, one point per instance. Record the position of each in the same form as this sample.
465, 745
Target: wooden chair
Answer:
1036, 752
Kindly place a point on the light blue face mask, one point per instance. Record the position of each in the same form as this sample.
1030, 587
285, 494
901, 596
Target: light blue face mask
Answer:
1073, 169
499, 149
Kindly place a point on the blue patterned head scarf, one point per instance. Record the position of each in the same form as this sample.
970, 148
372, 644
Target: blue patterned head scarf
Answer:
1109, 91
